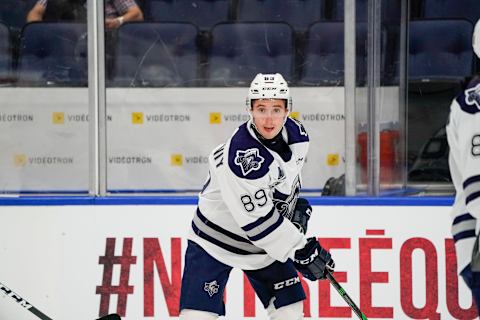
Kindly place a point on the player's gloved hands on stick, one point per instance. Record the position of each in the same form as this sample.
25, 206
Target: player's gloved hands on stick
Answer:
301, 214
312, 261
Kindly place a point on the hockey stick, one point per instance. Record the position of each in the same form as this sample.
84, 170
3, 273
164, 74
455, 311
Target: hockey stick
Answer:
345, 296
27, 305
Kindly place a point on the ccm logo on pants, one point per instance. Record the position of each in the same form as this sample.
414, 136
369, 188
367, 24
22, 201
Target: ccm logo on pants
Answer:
286, 283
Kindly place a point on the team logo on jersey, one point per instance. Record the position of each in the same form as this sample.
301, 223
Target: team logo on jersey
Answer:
472, 96
285, 204
249, 160
211, 287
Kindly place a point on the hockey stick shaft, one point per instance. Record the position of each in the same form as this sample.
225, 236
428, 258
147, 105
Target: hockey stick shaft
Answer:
27, 305
345, 296
24, 303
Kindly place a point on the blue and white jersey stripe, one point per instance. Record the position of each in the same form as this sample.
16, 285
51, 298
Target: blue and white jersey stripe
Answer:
471, 187
463, 227
263, 226
221, 237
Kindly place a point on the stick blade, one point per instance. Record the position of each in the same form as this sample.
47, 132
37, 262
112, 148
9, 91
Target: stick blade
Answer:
112, 316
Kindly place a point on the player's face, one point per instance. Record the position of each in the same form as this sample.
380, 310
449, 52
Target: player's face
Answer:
269, 116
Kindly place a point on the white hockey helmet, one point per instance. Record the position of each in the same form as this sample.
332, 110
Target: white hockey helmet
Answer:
269, 86
476, 39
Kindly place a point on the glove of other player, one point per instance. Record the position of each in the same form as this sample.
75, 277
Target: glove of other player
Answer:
312, 261
301, 214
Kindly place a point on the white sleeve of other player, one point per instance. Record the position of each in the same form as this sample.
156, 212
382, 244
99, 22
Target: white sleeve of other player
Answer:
470, 140
251, 205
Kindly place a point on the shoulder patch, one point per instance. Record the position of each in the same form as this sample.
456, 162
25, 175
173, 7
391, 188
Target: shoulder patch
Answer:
296, 131
469, 100
249, 160
247, 157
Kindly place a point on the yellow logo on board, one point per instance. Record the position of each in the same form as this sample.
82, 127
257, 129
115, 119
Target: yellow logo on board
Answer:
58, 117
333, 159
137, 117
215, 118
176, 160
20, 160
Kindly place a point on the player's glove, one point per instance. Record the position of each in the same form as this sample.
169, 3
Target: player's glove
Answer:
312, 261
301, 214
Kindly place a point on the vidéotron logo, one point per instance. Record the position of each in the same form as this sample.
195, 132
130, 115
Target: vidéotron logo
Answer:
215, 117
176, 160
23, 160
179, 160
58, 117
219, 117
333, 159
20, 160
61, 117
137, 117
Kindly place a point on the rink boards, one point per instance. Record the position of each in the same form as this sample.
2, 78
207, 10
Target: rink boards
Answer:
158, 139
396, 261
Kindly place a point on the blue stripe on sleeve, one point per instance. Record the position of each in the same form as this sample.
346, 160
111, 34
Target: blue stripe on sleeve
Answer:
472, 197
464, 235
470, 181
259, 221
463, 217
269, 230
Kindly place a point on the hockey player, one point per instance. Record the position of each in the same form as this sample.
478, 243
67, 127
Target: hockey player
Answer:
248, 215
463, 133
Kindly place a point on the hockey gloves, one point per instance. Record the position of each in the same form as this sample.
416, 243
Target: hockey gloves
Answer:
301, 214
312, 261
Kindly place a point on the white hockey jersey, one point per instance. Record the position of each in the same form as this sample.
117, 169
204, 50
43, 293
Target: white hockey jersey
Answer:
250, 188
463, 133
